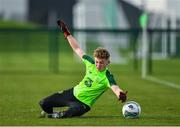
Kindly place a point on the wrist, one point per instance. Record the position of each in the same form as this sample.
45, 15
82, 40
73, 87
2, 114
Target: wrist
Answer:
66, 34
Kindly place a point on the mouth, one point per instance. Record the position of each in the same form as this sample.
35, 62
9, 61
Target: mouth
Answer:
99, 68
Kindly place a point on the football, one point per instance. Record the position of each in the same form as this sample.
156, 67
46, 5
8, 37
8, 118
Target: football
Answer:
131, 109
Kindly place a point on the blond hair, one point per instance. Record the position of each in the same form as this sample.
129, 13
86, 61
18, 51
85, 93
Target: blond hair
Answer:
101, 53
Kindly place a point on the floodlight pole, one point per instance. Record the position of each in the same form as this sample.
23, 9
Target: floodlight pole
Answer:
144, 51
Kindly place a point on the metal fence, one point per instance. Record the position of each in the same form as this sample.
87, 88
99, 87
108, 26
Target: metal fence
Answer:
40, 49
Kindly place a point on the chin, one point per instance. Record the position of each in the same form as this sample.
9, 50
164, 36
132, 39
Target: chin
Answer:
100, 69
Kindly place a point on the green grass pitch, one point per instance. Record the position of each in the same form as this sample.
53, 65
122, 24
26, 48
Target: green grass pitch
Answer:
25, 79
20, 93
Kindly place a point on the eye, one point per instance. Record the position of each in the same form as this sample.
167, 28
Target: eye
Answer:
101, 62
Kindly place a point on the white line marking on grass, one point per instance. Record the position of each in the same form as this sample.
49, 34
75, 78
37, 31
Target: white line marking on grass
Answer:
163, 82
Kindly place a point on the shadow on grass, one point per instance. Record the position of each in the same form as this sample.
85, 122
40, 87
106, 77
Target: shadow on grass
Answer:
89, 117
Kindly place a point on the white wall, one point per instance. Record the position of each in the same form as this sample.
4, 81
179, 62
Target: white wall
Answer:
174, 5
151, 5
99, 14
14, 9
165, 6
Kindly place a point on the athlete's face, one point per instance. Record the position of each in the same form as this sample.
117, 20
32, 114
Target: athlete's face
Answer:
101, 63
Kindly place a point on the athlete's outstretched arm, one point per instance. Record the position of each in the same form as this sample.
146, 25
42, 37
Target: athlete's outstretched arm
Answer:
119, 93
74, 44
72, 41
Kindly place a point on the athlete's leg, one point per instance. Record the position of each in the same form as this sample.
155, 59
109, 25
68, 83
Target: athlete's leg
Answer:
75, 109
65, 98
60, 99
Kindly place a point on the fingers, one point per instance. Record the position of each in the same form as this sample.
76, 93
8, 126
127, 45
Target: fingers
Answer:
58, 22
61, 24
64, 28
122, 96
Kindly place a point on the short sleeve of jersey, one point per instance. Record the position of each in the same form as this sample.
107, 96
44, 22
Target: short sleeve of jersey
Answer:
110, 78
87, 59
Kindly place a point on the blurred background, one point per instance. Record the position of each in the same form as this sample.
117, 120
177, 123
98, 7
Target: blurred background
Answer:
142, 36
30, 40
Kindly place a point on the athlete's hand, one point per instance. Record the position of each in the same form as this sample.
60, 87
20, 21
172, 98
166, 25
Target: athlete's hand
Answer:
64, 28
123, 96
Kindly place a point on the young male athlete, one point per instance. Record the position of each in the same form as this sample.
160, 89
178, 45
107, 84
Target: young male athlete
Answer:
96, 81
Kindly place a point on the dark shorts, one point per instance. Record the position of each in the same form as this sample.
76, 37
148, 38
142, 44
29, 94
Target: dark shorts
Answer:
64, 99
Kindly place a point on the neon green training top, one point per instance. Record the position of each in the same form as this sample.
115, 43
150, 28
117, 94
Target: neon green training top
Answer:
94, 84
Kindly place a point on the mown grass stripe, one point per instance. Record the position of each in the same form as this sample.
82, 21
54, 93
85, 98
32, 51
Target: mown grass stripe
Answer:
163, 82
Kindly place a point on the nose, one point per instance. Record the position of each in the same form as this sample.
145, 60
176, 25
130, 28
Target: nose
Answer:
98, 66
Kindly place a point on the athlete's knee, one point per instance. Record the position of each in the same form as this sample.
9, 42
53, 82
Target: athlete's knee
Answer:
42, 103
45, 106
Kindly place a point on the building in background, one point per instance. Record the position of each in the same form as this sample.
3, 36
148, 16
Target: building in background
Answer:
124, 14
44, 12
47, 12
106, 14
